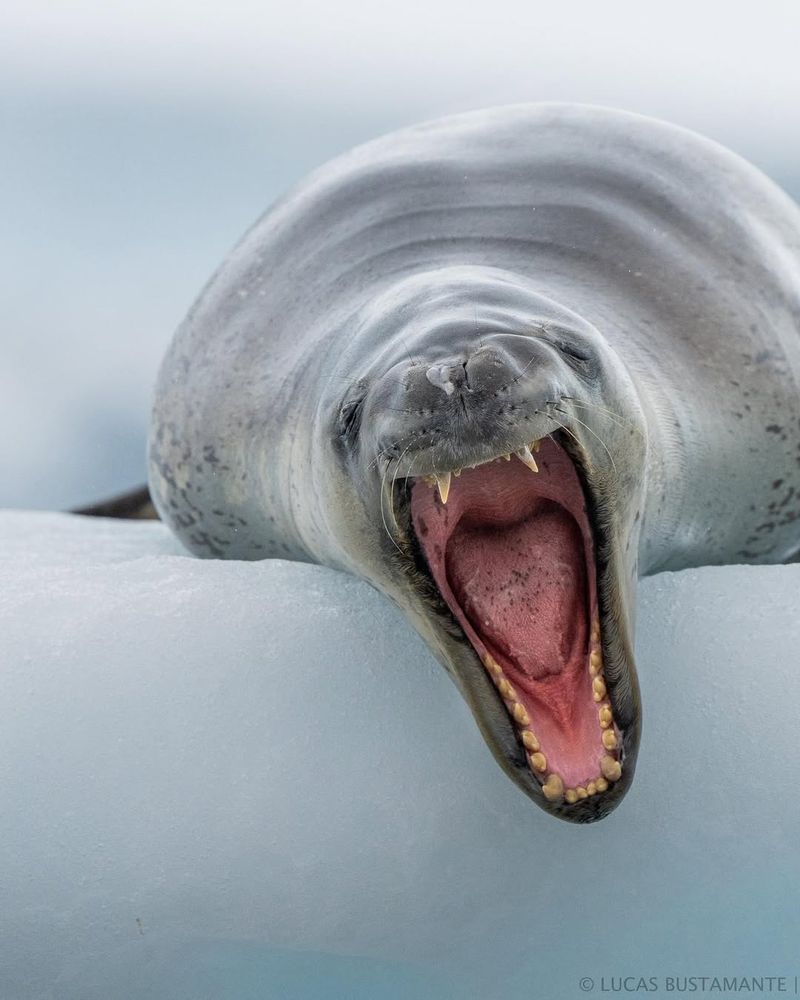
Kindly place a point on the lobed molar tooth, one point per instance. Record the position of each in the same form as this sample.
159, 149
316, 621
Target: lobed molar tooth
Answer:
553, 788
609, 739
525, 456
605, 716
492, 665
529, 741
507, 456
610, 768
456, 473
443, 485
538, 761
598, 689
430, 480
520, 715
596, 786
506, 690
595, 631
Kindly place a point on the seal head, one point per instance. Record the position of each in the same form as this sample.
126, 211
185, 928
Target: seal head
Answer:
498, 507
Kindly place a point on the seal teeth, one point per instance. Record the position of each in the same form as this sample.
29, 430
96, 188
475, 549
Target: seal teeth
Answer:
538, 761
529, 741
525, 456
611, 768
443, 485
552, 783
553, 788
522, 717
609, 739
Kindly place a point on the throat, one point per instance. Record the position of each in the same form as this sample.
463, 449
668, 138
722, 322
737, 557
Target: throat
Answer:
523, 588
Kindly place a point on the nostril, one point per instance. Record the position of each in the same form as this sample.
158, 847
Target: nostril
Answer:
439, 375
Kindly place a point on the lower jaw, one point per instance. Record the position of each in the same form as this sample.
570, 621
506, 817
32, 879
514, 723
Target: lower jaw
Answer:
567, 780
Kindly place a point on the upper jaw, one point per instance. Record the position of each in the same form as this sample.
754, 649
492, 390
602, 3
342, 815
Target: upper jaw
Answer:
439, 461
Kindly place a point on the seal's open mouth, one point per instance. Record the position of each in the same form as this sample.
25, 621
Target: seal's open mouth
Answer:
509, 546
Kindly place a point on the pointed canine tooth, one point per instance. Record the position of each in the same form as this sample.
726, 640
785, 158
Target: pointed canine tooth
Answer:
443, 485
553, 788
611, 769
525, 456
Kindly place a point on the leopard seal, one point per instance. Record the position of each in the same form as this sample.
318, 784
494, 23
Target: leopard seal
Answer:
500, 366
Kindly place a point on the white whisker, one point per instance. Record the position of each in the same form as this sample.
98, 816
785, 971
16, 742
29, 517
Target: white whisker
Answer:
589, 429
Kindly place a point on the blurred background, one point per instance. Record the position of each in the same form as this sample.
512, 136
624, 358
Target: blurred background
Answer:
138, 141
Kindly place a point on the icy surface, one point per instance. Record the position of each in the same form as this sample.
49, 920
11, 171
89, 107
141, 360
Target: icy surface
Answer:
241, 780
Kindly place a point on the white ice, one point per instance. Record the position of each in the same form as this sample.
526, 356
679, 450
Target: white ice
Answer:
252, 780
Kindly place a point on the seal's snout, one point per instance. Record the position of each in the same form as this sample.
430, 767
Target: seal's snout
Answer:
509, 367
445, 410
483, 370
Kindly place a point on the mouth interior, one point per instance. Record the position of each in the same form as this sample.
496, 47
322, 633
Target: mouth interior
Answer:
512, 554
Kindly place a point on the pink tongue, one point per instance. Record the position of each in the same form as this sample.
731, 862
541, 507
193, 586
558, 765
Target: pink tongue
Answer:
522, 586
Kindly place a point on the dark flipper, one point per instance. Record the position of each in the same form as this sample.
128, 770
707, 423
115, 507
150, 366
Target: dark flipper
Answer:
133, 504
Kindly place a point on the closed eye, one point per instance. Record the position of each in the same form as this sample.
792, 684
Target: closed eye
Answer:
579, 360
350, 418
